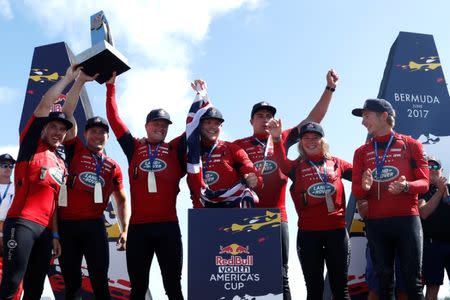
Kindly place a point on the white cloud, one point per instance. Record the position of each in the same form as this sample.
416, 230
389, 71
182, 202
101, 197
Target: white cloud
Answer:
8, 94
156, 37
5, 10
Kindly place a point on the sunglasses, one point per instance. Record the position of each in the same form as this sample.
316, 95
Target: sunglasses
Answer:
434, 167
4, 166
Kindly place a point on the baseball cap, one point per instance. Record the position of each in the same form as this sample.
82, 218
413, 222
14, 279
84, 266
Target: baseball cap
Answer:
158, 114
212, 113
311, 127
376, 105
263, 105
7, 158
96, 122
58, 116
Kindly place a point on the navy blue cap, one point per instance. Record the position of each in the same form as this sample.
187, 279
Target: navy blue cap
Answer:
376, 105
311, 127
58, 116
263, 105
97, 122
6, 157
158, 114
212, 113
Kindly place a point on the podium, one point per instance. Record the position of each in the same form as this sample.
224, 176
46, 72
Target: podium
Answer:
234, 254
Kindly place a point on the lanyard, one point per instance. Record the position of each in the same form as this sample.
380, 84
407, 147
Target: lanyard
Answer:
152, 155
379, 164
98, 165
265, 147
6, 191
323, 178
208, 158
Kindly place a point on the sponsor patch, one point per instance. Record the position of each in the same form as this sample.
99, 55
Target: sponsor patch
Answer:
318, 189
57, 174
89, 179
158, 165
387, 174
270, 166
210, 177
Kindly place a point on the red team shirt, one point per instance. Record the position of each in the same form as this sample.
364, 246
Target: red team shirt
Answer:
273, 192
148, 207
223, 167
307, 189
405, 157
38, 175
82, 179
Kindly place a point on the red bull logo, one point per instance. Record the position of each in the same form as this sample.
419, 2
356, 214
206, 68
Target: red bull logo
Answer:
234, 250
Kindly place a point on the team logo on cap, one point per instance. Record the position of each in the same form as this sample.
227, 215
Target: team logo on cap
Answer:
210, 177
318, 190
89, 179
270, 166
158, 165
387, 174
57, 174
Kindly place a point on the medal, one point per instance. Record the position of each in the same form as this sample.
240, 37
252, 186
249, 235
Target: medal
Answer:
62, 196
328, 198
151, 178
379, 164
98, 197
330, 202
151, 182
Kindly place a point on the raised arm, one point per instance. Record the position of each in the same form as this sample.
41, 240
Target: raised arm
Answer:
279, 150
46, 103
320, 109
72, 100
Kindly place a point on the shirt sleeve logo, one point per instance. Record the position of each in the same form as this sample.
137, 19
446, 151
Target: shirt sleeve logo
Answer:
158, 165
89, 179
387, 174
318, 190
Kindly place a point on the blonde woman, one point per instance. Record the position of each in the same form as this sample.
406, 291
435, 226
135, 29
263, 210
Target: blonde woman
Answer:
318, 194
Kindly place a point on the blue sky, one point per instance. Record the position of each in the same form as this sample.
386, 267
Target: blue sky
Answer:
247, 51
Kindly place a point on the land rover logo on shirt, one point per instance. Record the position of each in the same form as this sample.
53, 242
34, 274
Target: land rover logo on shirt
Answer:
90, 178
57, 174
210, 177
270, 166
158, 165
318, 189
387, 174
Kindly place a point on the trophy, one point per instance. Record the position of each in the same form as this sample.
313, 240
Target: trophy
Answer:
102, 57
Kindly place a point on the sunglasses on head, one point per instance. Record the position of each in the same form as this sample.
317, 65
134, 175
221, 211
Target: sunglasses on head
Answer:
4, 166
434, 167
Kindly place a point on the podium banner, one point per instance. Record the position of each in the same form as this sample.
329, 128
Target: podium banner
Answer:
234, 254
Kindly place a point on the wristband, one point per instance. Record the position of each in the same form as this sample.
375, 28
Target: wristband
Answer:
55, 235
330, 88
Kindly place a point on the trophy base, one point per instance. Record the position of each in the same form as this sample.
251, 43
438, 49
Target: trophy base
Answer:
102, 58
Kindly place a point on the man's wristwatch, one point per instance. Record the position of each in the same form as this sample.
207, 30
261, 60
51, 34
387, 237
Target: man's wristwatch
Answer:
406, 187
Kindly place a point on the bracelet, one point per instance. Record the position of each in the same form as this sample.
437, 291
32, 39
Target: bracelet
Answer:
330, 88
55, 235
